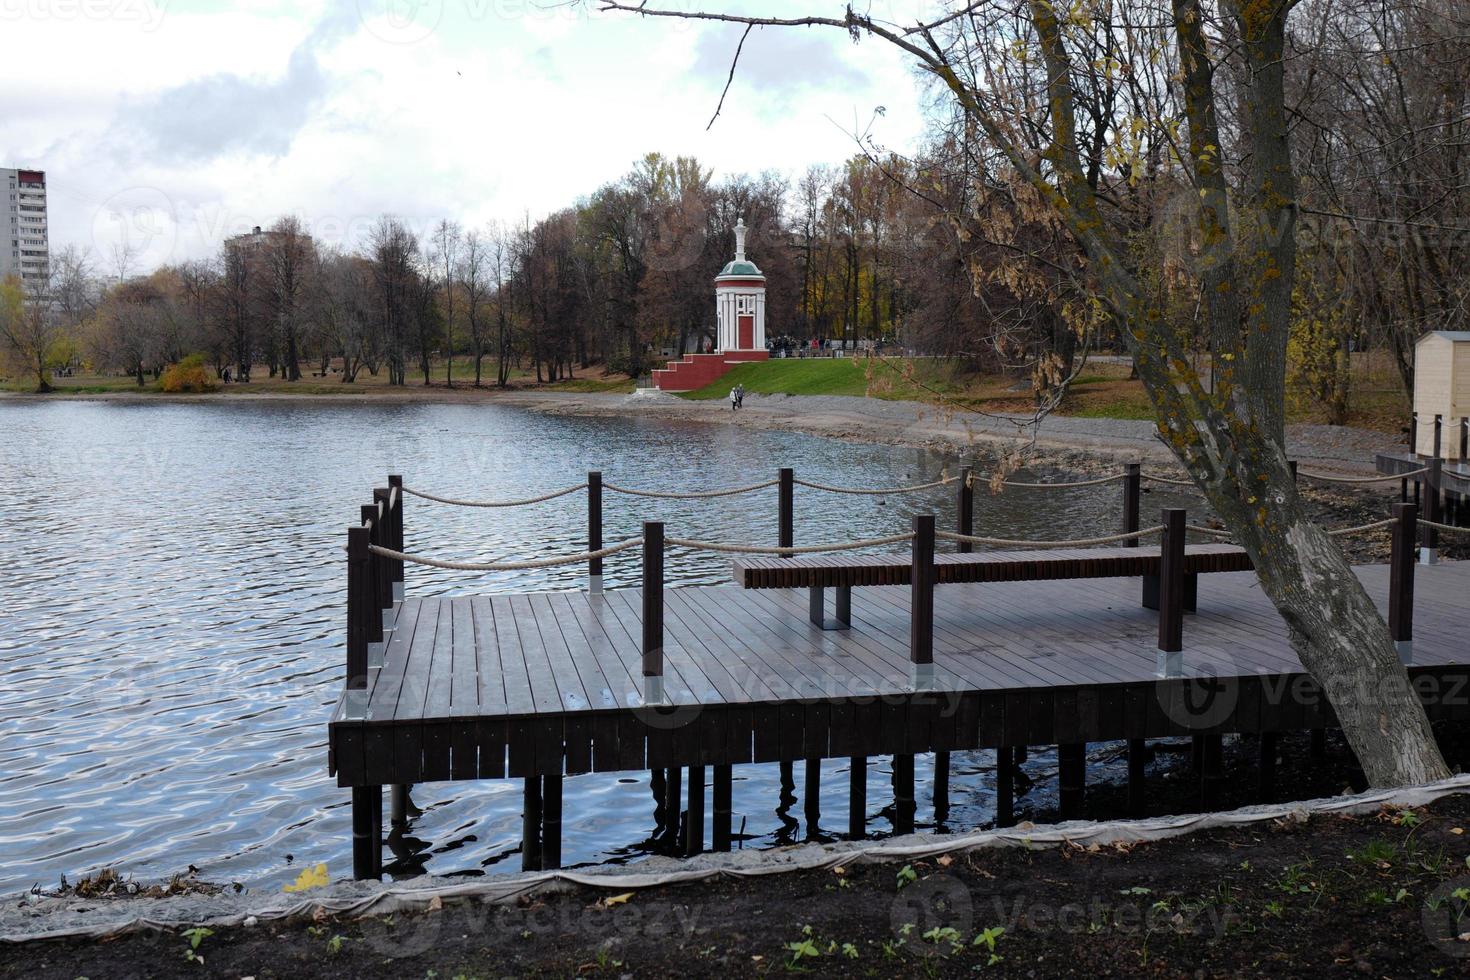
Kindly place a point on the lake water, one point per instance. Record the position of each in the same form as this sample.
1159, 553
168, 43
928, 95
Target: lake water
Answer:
171, 633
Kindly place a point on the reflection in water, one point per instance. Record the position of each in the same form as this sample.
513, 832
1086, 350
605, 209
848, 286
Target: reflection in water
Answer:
172, 638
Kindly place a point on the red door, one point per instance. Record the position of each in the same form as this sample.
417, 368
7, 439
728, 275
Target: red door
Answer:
746, 328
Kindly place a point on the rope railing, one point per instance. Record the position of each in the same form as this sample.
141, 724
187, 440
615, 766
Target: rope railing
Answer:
1211, 531
1329, 478
1054, 486
495, 503
506, 566
1068, 543
1436, 525
810, 549
1170, 481
690, 494
877, 491
1339, 532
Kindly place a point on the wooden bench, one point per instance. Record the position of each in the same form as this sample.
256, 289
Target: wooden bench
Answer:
843, 572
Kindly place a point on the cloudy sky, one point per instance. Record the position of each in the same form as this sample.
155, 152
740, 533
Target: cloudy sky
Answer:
170, 124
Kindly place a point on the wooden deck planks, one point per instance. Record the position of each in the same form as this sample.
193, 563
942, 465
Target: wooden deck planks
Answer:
552, 676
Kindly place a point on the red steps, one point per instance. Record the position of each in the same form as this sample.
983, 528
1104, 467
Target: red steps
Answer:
697, 370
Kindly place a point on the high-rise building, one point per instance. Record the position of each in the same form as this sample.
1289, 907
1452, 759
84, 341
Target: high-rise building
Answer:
26, 251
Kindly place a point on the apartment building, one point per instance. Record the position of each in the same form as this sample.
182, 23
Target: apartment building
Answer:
23, 229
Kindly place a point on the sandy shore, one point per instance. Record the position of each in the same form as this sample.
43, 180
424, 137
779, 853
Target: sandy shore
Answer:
871, 420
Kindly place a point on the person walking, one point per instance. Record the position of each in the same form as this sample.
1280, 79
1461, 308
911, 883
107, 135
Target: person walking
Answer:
734, 400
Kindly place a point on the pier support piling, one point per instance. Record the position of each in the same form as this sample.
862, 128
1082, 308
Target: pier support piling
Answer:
723, 800
1005, 786
812, 801
531, 825
903, 793
1137, 787
1072, 777
367, 832
694, 825
1266, 779
1212, 772
857, 797
941, 787
550, 822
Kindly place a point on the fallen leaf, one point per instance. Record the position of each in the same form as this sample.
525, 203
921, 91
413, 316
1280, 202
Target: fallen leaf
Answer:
839, 870
612, 900
313, 877
1457, 830
944, 860
436, 903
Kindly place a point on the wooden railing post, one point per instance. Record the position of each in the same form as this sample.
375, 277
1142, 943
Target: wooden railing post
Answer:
966, 521
785, 507
1291, 468
1464, 438
1438, 424
1171, 593
383, 537
1401, 581
395, 482
921, 599
1413, 433
594, 530
1132, 488
1429, 553
359, 601
372, 612
653, 610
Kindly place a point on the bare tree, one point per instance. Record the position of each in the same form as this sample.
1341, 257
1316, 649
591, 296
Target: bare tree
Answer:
447, 238
1023, 73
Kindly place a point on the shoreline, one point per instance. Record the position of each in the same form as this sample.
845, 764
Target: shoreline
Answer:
1064, 440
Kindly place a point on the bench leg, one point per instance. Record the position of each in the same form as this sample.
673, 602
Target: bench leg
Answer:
817, 608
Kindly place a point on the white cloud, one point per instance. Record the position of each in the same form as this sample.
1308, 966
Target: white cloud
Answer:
215, 119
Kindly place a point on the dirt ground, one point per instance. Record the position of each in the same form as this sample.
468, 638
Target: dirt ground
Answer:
1382, 895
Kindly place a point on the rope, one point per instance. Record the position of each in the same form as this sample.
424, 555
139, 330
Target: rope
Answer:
1363, 479
506, 566
1073, 543
756, 549
1342, 531
1062, 486
690, 495
1201, 529
1164, 479
879, 492
496, 503
393, 497
1438, 526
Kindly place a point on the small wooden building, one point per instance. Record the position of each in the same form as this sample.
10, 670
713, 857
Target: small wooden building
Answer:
1441, 387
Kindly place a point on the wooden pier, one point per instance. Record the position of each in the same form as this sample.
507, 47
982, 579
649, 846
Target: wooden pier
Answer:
1063, 648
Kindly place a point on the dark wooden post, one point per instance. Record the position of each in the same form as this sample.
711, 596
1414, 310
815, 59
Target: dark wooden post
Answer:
1071, 777
1432, 483
550, 822
812, 797
1438, 424
1132, 488
367, 832
941, 787
966, 521
372, 613
395, 482
653, 607
1171, 592
921, 593
359, 604
531, 825
1291, 468
1266, 785
1464, 439
720, 833
694, 826
1005, 786
785, 507
1413, 433
903, 793
857, 797
383, 537
1212, 775
1401, 580
594, 530
673, 800
1137, 794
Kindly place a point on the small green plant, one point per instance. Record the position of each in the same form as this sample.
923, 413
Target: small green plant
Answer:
850, 951
1136, 890
988, 940
803, 949
943, 934
195, 936
334, 945
1378, 853
907, 875
1407, 818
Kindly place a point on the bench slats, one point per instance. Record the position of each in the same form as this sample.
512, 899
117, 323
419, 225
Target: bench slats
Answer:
833, 571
